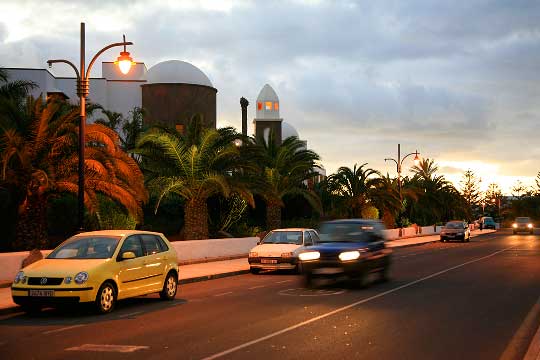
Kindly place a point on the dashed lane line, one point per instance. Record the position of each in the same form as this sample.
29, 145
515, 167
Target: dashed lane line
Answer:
347, 307
283, 281
62, 329
108, 348
225, 293
256, 287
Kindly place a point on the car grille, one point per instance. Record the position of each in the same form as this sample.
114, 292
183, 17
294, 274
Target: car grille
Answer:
50, 281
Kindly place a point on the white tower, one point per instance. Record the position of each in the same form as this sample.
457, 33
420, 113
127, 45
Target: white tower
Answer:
267, 114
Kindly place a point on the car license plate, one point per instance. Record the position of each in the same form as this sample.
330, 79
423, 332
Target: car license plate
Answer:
268, 261
41, 293
327, 271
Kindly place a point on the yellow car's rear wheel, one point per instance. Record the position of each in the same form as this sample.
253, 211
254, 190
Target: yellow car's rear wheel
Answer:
169, 287
106, 298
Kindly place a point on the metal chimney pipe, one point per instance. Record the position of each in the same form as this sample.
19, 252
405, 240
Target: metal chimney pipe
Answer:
244, 104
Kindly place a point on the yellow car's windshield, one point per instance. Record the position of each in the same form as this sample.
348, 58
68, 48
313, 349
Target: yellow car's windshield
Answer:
86, 247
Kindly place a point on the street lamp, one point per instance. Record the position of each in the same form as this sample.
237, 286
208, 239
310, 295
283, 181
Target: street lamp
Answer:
124, 61
399, 166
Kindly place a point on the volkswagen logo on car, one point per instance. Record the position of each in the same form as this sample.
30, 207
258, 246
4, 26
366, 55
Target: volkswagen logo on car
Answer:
43, 281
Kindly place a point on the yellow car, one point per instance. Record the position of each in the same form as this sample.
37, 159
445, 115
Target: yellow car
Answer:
99, 267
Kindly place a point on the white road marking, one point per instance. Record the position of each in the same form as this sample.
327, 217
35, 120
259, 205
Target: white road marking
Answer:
283, 282
62, 329
347, 307
256, 287
108, 348
225, 293
130, 314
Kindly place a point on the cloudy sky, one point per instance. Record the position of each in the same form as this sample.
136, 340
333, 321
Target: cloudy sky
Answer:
459, 81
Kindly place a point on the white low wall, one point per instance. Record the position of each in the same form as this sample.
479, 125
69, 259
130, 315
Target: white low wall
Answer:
213, 248
191, 250
393, 234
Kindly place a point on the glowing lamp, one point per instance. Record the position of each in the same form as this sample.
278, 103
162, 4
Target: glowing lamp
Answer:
124, 62
416, 159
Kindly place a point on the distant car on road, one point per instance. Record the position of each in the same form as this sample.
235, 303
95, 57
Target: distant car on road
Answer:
487, 222
352, 248
456, 230
523, 224
279, 249
99, 267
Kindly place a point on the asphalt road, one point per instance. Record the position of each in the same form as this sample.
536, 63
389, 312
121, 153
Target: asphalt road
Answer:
445, 301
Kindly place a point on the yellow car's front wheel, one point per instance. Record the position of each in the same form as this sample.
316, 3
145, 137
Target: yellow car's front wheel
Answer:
106, 298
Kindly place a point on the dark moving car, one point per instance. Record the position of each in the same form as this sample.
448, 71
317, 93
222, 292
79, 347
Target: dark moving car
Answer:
456, 230
352, 249
523, 224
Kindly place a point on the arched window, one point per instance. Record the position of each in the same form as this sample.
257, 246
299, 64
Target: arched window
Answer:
268, 105
276, 106
259, 106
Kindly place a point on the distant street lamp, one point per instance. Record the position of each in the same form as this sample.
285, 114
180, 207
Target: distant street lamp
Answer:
399, 166
124, 62
498, 200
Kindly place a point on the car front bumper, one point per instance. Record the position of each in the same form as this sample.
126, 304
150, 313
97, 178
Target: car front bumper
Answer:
62, 295
273, 263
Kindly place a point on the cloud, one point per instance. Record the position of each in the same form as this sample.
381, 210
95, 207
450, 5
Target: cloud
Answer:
457, 80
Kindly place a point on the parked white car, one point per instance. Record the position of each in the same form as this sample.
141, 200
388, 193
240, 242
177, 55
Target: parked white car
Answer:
279, 249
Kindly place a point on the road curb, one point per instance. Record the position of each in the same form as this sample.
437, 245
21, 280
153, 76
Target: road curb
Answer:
437, 240
519, 346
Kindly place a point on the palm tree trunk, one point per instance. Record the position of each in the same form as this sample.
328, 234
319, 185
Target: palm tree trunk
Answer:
273, 215
31, 228
196, 219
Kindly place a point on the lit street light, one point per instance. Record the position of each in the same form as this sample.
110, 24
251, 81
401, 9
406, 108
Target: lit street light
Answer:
124, 62
399, 166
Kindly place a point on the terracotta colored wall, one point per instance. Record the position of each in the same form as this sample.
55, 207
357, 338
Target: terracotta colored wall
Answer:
171, 104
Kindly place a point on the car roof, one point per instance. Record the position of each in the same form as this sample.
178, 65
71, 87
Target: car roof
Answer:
351, 221
293, 229
117, 233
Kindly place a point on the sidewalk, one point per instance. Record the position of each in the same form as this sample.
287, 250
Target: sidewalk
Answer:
218, 269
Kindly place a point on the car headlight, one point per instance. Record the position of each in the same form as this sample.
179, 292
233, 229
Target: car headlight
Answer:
310, 255
287, 255
68, 279
529, 226
81, 277
514, 225
253, 254
349, 255
19, 278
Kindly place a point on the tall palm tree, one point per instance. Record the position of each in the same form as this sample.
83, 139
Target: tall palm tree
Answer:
194, 166
439, 200
356, 187
39, 156
112, 119
283, 170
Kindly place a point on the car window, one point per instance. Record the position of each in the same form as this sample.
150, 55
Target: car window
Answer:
133, 244
150, 245
87, 247
283, 237
162, 244
314, 237
454, 225
307, 238
346, 232
523, 220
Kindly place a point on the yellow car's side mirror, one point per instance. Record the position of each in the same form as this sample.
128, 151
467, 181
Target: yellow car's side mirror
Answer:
128, 255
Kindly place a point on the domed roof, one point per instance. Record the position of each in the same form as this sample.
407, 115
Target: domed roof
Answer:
267, 94
176, 71
287, 130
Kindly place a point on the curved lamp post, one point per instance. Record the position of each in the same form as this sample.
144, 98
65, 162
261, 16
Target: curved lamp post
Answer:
399, 165
124, 62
